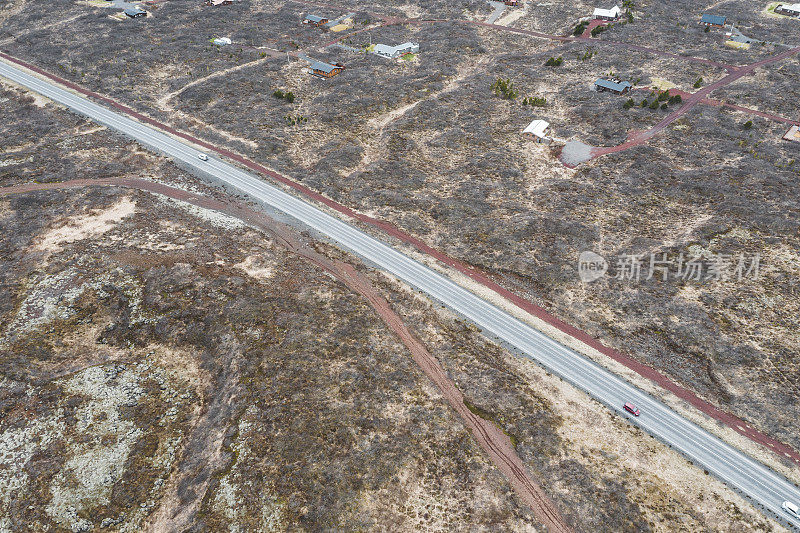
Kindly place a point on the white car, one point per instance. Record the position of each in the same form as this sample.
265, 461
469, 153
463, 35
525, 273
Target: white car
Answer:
791, 508
203, 157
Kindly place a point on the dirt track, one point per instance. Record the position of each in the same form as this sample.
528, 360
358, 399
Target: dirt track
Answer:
491, 439
640, 138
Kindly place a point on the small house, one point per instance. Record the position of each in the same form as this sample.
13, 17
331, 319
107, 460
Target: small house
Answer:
393, 52
383, 50
614, 85
407, 48
713, 20
315, 20
537, 131
135, 12
790, 10
793, 134
739, 41
325, 70
512, 3
607, 14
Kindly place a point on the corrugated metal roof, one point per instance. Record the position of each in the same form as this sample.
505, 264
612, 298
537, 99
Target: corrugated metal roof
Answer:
790, 7
131, 11
713, 19
314, 18
321, 66
537, 128
393, 51
383, 49
610, 13
613, 85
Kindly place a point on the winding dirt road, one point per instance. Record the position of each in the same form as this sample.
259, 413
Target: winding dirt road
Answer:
491, 439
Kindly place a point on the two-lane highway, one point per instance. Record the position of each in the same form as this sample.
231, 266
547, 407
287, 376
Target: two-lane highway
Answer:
750, 477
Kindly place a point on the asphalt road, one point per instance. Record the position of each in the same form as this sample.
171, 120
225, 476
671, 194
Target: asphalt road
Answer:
765, 487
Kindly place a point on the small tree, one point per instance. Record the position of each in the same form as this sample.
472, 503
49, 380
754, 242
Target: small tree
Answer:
278, 93
579, 29
504, 88
654, 104
747, 125
643, 103
296, 120
708, 29
698, 83
629, 103
289, 96
675, 99
664, 106
554, 62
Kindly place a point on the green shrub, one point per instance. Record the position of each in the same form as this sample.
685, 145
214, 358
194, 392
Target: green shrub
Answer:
554, 62
598, 30
644, 103
295, 120
698, 83
278, 94
629, 103
747, 125
289, 97
675, 99
535, 101
664, 106
579, 29
504, 88
654, 104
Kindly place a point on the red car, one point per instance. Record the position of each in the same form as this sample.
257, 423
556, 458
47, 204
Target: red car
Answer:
632, 409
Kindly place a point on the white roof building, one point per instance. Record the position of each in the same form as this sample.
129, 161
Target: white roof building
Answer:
383, 50
537, 128
793, 134
792, 8
609, 14
393, 52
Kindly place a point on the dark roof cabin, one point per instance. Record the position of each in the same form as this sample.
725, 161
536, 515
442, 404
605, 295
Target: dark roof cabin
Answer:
135, 12
315, 20
326, 70
615, 86
712, 20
